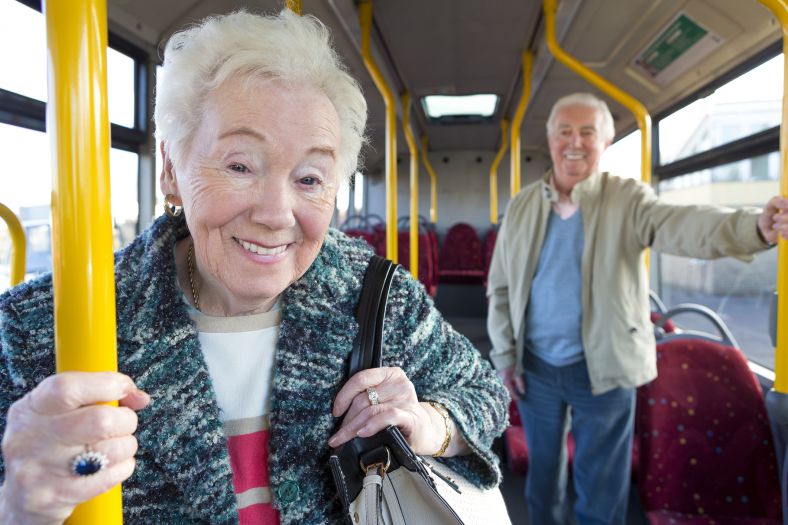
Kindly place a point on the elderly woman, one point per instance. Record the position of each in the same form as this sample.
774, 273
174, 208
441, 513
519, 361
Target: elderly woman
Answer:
236, 314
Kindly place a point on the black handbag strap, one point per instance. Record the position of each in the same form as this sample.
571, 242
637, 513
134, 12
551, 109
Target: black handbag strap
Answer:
371, 311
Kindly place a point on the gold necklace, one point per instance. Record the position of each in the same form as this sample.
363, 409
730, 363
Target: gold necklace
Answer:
195, 297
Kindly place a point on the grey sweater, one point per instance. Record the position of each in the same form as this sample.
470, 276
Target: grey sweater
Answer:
183, 470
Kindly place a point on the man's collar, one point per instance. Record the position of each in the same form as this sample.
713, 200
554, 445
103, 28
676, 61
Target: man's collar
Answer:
588, 186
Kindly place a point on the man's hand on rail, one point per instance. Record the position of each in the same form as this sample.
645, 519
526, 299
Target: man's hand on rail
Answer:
52, 425
774, 220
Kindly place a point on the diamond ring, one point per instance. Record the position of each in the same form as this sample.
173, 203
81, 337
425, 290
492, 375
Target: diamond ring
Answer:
89, 462
372, 395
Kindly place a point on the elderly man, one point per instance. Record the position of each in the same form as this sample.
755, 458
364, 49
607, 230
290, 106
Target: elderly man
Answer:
568, 316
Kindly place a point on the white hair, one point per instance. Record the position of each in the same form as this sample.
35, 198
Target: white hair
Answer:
288, 47
588, 100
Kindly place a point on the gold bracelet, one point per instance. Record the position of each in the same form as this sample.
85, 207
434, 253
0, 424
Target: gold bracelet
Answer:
440, 409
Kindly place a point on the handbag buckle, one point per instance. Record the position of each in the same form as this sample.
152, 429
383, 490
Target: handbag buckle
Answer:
380, 466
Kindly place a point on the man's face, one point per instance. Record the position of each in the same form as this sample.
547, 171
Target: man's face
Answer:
576, 145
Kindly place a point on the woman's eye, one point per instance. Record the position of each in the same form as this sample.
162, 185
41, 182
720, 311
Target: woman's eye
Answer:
310, 181
239, 168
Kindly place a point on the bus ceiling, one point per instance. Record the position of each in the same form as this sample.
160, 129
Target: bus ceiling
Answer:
658, 52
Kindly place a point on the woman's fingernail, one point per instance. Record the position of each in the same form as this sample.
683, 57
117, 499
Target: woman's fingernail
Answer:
332, 441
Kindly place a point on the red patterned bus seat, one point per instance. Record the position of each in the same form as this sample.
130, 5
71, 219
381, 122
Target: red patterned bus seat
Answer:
706, 451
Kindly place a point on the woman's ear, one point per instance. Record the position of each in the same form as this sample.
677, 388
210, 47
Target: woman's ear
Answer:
168, 181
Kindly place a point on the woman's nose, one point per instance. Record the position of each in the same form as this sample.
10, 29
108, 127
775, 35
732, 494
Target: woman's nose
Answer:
273, 205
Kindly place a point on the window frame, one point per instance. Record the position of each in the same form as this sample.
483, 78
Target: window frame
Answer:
19, 110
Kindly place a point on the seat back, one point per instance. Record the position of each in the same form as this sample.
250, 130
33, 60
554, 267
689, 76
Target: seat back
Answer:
461, 257
426, 273
705, 445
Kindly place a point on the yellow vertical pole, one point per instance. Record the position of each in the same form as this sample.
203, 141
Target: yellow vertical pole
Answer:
517, 122
433, 180
638, 109
414, 186
17, 244
494, 171
780, 10
294, 6
83, 278
365, 20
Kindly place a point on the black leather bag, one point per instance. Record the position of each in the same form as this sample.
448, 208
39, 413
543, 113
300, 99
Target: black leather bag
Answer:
380, 480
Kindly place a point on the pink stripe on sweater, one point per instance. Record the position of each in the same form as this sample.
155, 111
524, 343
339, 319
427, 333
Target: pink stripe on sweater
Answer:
249, 460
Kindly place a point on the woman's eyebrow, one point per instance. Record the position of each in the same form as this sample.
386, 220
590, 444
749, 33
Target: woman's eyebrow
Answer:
243, 130
326, 151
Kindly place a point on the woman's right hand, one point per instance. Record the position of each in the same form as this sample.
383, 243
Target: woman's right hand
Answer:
52, 424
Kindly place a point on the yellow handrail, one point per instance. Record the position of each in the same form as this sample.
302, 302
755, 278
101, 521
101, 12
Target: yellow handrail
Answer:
414, 186
517, 123
639, 110
365, 20
494, 171
17, 244
780, 10
294, 6
83, 276
433, 180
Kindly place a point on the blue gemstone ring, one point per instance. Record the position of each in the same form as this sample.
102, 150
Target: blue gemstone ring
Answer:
89, 462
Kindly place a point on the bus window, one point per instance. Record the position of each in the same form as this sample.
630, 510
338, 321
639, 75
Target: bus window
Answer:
744, 106
123, 168
622, 158
24, 70
120, 86
739, 292
26, 186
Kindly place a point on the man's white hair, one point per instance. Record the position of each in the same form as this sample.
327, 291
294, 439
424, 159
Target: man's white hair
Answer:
588, 100
294, 49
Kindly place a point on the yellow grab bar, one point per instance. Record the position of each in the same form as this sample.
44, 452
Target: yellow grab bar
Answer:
414, 186
433, 180
83, 273
639, 110
17, 244
494, 171
780, 10
365, 20
517, 123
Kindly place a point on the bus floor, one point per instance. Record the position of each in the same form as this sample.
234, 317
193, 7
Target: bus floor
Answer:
513, 486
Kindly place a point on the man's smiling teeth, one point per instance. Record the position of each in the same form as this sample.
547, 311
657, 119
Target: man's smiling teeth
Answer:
260, 250
575, 156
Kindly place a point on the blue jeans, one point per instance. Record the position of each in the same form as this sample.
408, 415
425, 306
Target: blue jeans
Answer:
602, 427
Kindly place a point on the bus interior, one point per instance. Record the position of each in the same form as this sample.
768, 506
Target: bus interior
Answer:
473, 80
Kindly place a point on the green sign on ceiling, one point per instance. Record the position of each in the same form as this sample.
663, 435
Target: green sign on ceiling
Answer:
674, 41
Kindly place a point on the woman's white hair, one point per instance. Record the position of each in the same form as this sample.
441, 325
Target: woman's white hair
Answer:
288, 47
588, 100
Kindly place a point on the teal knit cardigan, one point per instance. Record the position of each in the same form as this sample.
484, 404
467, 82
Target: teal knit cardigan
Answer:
183, 470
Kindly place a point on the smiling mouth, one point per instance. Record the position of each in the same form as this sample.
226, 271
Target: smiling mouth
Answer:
574, 156
261, 250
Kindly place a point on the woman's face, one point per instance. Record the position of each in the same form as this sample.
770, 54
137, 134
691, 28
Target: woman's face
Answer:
257, 184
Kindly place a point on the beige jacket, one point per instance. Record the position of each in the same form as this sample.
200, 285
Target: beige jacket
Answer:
621, 217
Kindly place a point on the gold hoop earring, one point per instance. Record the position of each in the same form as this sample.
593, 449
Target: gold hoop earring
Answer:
171, 209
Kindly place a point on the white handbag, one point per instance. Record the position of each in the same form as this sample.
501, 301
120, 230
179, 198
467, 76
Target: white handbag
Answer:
380, 480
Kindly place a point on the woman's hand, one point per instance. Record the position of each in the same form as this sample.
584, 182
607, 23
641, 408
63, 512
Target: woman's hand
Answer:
51, 425
420, 424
